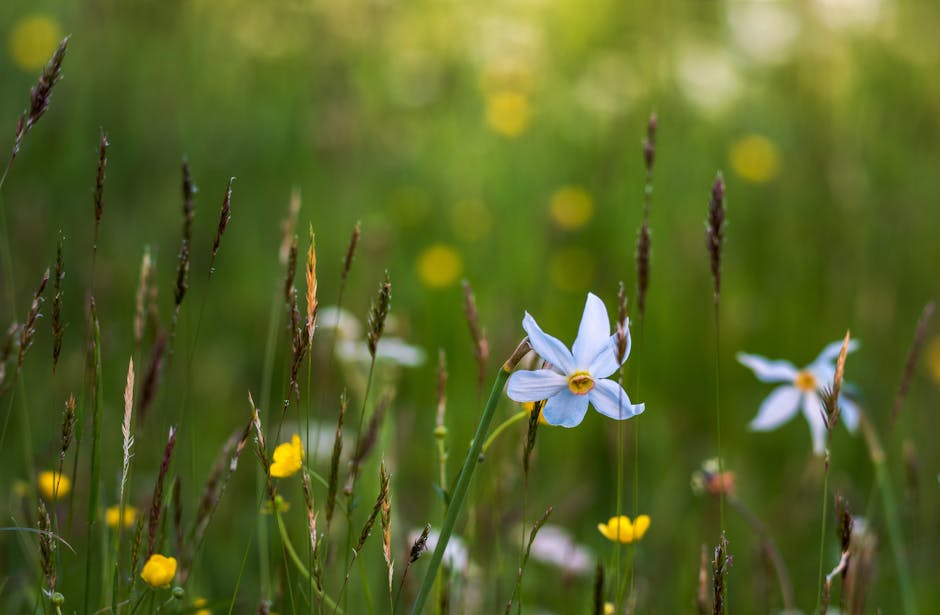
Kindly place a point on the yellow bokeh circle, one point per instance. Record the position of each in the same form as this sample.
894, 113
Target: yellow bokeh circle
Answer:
439, 266
755, 158
572, 207
32, 41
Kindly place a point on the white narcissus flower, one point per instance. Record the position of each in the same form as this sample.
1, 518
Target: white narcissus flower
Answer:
577, 377
802, 390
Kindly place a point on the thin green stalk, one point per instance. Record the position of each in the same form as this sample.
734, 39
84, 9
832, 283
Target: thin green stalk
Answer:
95, 460
515, 418
721, 462
460, 490
299, 565
822, 531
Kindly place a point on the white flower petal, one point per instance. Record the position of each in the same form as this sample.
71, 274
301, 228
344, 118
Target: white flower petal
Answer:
593, 332
849, 412
767, 370
605, 363
813, 411
831, 352
534, 385
548, 347
778, 408
611, 400
565, 409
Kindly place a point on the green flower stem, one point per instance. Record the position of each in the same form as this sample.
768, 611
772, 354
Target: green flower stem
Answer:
515, 418
300, 565
460, 490
877, 455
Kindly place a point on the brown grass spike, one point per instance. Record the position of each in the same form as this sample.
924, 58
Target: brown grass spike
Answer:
920, 334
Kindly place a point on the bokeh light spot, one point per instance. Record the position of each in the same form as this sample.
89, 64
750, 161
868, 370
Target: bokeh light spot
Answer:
572, 207
755, 158
32, 41
508, 113
439, 266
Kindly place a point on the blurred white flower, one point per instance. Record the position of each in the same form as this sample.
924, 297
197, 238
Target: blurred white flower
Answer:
554, 546
764, 31
801, 389
707, 77
341, 320
850, 14
390, 349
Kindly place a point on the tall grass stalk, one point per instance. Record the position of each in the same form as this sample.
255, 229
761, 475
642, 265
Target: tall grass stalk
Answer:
93, 497
714, 240
463, 479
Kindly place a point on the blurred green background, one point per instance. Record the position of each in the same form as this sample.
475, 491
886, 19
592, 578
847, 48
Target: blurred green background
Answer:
501, 142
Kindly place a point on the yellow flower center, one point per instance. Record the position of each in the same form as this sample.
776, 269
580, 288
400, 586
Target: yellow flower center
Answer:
580, 383
805, 382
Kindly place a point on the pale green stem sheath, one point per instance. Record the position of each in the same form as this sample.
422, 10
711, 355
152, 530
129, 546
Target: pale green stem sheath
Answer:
463, 483
515, 418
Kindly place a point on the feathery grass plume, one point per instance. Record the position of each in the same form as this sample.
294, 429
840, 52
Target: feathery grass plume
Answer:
182, 280
178, 513
68, 426
621, 323
702, 604
530, 437
418, 547
860, 572
715, 231
29, 326
334, 461
39, 97
156, 503
152, 380
189, 199
846, 523
311, 511
290, 270
57, 327
367, 528
311, 275
481, 346
46, 548
223, 468
300, 342
350, 254
140, 298
261, 449
643, 239
912, 354
128, 438
135, 547
720, 565
377, 315
598, 593
440, 427
99, 187
367, 442
525, 556
386, 518
288, 225
224, 216
6, 350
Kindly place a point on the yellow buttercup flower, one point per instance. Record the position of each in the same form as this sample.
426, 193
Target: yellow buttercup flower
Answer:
53, 485
621, 529
755, 158
32, 41
112, 516
439, 266
529, 407
159, 571
572, 207
508, 113
288, 457
199, 603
